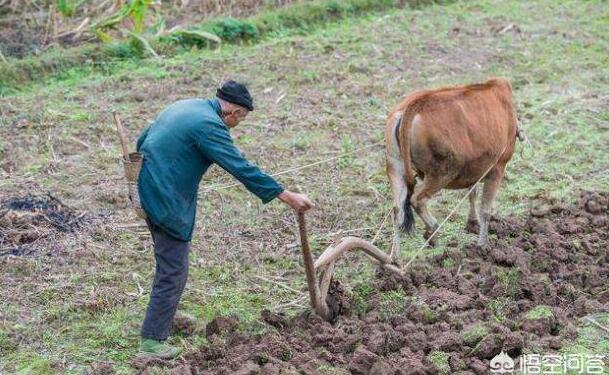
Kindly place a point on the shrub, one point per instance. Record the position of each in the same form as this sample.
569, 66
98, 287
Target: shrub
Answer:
233, 30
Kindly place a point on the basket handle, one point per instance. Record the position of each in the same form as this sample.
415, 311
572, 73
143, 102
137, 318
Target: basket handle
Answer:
121, 134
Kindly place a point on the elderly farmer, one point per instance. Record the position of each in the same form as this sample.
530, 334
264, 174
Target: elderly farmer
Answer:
178, 148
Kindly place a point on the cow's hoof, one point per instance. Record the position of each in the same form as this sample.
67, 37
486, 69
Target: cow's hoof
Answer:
472, 226
431, 241
395, 251
484, 244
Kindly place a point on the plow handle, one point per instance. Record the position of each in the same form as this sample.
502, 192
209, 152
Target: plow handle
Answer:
121, 135
318, 304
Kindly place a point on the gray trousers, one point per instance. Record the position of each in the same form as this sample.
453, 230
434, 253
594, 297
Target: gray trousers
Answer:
170, 277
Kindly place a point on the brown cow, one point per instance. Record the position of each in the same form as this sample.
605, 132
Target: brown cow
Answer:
449, 138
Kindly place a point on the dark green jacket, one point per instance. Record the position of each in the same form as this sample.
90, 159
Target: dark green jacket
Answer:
178, 148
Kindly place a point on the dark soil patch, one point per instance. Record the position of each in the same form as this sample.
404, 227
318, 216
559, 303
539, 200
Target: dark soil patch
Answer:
26, 220
524, 292
18, 42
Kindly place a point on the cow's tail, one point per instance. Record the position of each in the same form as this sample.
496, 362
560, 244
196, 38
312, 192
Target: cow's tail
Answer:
407, 225
405, 215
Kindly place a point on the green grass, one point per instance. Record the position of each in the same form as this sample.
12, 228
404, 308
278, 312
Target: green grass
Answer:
510, 278
540, 312
6, 343
360, 294
473, 335
429, 315
393, 303
499, 306
84, 302
440, 361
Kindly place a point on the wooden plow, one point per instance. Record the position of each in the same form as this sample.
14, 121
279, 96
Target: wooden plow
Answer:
318, 288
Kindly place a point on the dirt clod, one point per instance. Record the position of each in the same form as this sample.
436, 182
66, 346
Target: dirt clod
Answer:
183, 323
541, 210
336, 300
362, 361
273, 319
221, 325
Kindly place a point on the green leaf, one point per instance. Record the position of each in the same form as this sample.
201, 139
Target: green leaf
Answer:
143, 42
197, 34
103, 36
65, 7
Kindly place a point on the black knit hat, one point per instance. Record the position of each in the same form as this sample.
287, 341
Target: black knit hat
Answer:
236, 93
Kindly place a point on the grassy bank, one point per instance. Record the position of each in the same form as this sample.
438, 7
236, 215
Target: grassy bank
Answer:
299, 18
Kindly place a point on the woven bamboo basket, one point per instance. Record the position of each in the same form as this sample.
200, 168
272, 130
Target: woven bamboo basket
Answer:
133, 166
132, 162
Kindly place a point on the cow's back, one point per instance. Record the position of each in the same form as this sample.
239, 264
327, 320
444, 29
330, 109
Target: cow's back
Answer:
461, 131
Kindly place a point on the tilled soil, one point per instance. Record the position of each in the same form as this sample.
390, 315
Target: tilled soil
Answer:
526, 292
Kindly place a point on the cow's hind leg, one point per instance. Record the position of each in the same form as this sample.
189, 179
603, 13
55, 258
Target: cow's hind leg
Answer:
489, 192
423, 192
403, 219
472, 218
395, 244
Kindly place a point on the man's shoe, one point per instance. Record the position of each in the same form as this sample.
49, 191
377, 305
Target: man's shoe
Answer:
151, 348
